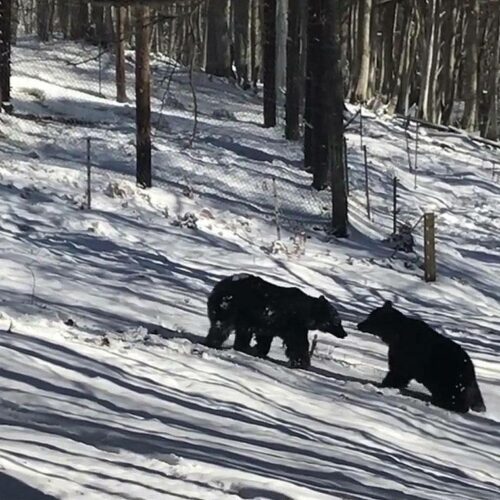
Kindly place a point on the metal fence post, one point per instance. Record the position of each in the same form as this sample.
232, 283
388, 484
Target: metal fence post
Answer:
429, 247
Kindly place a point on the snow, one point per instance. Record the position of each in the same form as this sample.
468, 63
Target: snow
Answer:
106, 391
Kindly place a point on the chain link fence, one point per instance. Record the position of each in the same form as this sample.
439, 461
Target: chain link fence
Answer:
58, 80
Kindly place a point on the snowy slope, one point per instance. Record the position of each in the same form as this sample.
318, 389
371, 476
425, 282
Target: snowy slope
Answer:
106, 390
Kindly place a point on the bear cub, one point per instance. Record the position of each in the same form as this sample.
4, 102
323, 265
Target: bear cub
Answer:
249, 305
416, 351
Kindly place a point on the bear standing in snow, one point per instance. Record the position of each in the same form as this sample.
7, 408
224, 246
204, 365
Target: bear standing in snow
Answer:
249, 305
416, 351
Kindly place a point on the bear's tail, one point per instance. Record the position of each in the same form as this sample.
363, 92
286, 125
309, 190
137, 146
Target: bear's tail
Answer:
474, 398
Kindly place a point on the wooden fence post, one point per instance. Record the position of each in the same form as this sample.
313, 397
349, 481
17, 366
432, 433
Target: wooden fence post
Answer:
429, 247
367, 187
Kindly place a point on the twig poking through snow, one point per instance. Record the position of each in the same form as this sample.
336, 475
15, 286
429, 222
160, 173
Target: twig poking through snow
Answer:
314, 343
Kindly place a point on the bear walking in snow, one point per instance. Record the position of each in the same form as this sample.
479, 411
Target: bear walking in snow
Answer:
249, 305
416, 351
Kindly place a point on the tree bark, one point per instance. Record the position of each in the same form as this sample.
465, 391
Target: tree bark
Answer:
121, 87
491, 129
218, 39
387, 78
241, 40
5, 51
361, 91
293, 70
448, 76
143, 96
42, 15
269, 62
470, 116
315, 135
333, 98
430, 53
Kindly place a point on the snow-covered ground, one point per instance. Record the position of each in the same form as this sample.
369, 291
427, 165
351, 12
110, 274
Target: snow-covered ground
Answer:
106, 392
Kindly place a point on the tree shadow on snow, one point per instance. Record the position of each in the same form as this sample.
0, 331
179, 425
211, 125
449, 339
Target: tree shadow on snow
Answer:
14, 489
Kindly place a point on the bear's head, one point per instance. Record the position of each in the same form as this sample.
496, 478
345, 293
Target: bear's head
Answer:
383, 322
326, 318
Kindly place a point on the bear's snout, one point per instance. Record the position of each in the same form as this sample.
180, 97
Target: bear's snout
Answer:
363, 327
339, 332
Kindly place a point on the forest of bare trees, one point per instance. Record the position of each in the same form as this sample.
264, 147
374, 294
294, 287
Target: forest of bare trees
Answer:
435, 60
438, 59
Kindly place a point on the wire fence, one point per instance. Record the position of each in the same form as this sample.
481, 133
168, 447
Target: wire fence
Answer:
73, 82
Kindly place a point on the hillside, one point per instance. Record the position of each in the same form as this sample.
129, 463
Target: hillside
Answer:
106, 391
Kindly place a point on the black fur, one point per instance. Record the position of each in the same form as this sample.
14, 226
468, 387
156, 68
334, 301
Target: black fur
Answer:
249, 305
416, 351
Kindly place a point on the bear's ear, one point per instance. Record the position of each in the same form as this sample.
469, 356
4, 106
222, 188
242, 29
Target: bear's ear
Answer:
387, 305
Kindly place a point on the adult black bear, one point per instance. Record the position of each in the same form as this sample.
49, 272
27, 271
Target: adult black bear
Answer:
249, 305
416, 351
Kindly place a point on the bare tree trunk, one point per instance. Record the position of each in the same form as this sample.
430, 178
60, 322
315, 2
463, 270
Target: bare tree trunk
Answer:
429, 52
361, 91
293, 70
315, 135
388, 21
470, 116
5, 39
333, 98
256, 47
143, 96
218, 39
63, 15
42, 16
448, 76
79, 20
121, 86
269, 62
241, 40
491, 129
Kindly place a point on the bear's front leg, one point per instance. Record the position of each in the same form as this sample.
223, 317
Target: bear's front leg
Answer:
263, 345
243, 336
398, 375
297, 348
217, 335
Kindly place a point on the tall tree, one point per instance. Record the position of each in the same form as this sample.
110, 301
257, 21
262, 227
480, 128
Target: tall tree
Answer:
332, 91
470, 79
315, 134
43, 16
5, 34
241, 13
121, 87
218, 51
293, 70
143, 95
269, 62
491, 129
363, 75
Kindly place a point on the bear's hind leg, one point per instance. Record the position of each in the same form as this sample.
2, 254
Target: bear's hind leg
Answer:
297, 348
396, 379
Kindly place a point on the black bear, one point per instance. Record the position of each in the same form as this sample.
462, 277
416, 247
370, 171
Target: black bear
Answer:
249, 305
416, 351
